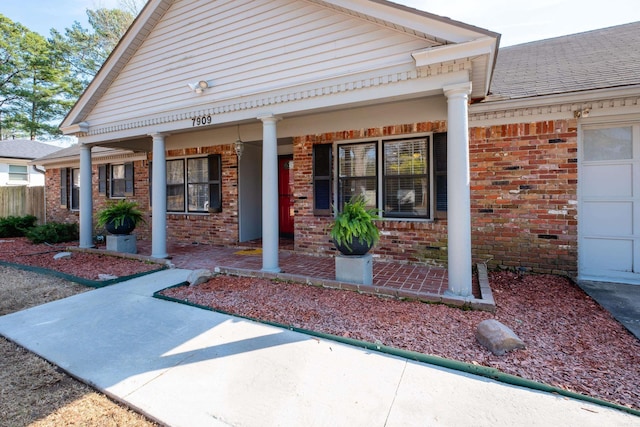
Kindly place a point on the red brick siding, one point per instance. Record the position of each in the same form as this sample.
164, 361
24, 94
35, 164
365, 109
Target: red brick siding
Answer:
524, 195
216, 228
523, 199
54, 211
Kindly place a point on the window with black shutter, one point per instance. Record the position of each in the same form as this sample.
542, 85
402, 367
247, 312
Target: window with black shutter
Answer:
121, 180
215, 183
64, 188
75, 189
440, 172
322, 165
102, 180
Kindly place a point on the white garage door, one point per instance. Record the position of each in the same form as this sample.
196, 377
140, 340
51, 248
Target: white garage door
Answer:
609, 215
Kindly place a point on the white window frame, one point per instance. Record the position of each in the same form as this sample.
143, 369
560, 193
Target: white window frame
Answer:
24, 175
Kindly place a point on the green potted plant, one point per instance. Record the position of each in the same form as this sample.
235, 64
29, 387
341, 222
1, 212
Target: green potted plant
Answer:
354, 231
120, 217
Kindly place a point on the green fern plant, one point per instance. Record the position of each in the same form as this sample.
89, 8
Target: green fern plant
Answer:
119, 212
355, 221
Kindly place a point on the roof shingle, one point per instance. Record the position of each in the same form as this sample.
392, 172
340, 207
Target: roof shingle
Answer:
604, 58
25, 149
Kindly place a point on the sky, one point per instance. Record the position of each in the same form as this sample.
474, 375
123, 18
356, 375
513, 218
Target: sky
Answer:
516, 20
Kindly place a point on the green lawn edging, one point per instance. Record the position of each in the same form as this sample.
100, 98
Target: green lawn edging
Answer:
80, 280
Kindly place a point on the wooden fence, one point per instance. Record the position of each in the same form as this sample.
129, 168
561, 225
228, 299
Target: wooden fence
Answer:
20, 201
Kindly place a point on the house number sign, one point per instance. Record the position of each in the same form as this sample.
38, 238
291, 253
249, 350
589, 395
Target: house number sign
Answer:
201, 121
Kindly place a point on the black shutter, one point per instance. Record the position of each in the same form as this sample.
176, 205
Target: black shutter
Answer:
440, 151
215, 183
102, 179
322, 165
128, 179
64, 187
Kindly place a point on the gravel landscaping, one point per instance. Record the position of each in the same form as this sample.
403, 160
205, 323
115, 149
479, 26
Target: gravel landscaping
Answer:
571, 342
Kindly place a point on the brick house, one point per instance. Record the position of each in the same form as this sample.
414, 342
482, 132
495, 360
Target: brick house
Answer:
233, 121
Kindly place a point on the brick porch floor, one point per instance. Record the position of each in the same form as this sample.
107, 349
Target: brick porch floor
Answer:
389, 278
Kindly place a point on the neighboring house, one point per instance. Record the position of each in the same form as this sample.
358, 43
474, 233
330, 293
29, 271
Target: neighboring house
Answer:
471, 160
15, 158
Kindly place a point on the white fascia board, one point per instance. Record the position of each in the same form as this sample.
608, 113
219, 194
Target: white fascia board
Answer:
408, 89
553, 99
440, 54
442, 28
74, 129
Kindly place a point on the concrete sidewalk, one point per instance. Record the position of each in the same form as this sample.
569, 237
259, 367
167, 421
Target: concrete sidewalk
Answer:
184, 366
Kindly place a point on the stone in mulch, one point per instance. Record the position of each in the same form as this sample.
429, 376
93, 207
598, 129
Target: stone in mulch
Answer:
498, 338
62, 255
197, 277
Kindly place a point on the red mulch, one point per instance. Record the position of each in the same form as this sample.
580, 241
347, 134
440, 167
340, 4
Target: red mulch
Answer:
20, 250
571, 341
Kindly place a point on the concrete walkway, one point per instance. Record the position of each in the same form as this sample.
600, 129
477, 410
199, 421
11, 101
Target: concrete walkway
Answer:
185, 366
619, 299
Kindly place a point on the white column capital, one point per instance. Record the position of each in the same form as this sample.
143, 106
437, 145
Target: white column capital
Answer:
269, 118
158, 135
458, 89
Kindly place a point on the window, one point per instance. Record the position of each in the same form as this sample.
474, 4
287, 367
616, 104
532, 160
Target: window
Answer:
175, 185
18, 173
322, 179
357, 173
75, 188
202, 186
405, 178
70, 188
116, 181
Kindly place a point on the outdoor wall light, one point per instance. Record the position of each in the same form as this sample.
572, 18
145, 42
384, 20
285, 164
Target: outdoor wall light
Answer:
200, 86
238, 146
584, 112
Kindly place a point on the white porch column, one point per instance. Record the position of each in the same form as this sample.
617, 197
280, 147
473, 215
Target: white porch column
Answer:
270, 230
458, 190
86, 198
159, 198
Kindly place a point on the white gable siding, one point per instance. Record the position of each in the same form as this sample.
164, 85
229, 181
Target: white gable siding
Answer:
245, 47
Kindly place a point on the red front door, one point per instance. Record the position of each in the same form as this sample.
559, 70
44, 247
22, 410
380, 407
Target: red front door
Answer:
285, 195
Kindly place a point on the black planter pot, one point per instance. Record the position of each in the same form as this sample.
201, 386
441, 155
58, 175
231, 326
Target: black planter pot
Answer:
358, 247
126, 227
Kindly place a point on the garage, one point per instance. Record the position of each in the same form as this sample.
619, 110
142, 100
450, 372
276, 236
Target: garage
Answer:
609, 202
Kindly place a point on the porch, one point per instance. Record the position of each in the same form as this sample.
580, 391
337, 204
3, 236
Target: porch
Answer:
394, 279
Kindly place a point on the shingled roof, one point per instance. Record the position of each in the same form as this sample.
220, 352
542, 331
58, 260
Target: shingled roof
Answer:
25, 149
599, 59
